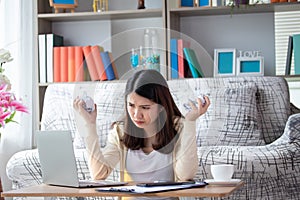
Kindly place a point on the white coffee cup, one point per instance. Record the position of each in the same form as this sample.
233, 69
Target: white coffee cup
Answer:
222, 172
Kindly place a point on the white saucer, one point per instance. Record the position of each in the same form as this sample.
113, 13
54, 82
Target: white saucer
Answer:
230, 182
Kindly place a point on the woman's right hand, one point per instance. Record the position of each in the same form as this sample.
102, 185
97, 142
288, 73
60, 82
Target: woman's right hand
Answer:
89, 117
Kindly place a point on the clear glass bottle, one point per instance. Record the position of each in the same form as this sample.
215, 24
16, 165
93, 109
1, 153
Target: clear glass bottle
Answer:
155, 56
147, 43
141, 4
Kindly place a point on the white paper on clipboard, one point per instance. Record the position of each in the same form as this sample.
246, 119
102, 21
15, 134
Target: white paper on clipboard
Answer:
142, 190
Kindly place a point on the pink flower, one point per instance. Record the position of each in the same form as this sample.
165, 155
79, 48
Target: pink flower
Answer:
18, 106
3, 116
9, 106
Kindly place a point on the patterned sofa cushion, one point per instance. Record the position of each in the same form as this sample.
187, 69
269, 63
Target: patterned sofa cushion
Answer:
273, 104
58, 108
232, 117
58, 113
109, 98
241, 125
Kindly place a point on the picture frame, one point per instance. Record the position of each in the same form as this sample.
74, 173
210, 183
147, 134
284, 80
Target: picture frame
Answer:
247, 66
224, 62
63, 4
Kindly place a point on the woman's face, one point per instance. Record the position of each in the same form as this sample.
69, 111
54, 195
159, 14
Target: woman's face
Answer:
142, 111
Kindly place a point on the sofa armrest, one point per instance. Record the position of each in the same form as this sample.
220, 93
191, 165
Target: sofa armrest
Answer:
24, 169
291, 133
271, 170
294, 109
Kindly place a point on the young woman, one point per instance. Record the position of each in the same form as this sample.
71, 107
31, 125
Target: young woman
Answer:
154, 142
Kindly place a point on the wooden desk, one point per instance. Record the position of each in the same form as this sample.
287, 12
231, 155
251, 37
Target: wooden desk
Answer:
56, 191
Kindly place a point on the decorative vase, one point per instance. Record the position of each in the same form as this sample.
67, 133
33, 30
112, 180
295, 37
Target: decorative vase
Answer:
241, 2
141, 4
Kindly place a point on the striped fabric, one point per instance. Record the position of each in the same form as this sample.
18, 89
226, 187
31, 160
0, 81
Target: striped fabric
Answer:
249, 124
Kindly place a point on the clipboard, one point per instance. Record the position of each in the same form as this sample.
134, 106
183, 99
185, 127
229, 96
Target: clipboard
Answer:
142, 190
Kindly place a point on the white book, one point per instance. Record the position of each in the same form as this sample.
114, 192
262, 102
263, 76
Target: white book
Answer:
52, 40
215, 3
42, 58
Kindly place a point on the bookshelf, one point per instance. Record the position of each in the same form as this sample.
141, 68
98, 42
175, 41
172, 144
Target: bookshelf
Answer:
107, 15
243, 9
249, 27
206, 28
121, 23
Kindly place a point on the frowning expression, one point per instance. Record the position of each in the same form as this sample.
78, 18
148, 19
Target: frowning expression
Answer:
142, 111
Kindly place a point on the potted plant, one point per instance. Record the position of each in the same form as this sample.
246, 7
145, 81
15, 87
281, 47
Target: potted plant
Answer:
238, 3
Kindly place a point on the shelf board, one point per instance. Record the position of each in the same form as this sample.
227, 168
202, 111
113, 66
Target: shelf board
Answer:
243, 9
292, 78
81, 82
107, 15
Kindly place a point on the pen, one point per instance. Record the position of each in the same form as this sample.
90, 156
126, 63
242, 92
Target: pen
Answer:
121, 190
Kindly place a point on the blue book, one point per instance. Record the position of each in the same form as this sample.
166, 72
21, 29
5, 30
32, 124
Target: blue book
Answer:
107, 65
187, 3
193, 63
174, 58
204, 3
296, 46
64, 1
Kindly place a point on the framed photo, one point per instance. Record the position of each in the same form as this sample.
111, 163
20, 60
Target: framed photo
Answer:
63, 4
250, 66
224, 62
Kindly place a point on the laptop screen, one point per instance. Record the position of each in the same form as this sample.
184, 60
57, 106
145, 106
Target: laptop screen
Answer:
57, 158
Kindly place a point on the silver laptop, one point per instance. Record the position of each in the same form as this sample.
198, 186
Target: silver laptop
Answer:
58, 163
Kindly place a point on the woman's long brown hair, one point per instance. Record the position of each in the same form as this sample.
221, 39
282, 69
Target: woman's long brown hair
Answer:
151, 84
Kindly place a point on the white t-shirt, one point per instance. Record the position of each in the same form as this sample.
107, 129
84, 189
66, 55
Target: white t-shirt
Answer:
154, 166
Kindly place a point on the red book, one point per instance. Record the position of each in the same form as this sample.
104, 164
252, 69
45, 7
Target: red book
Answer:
79, 66
56, 64
71, 64
90, 63
98, 63
180, 45
64, 64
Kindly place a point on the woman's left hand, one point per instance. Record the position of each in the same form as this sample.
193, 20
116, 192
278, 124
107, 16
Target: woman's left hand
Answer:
199, 110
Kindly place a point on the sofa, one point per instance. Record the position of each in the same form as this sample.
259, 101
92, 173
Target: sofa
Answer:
250, 123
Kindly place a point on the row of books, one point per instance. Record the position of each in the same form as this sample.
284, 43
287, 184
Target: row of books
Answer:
183, 60
58, 63
100, 63
200, 3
